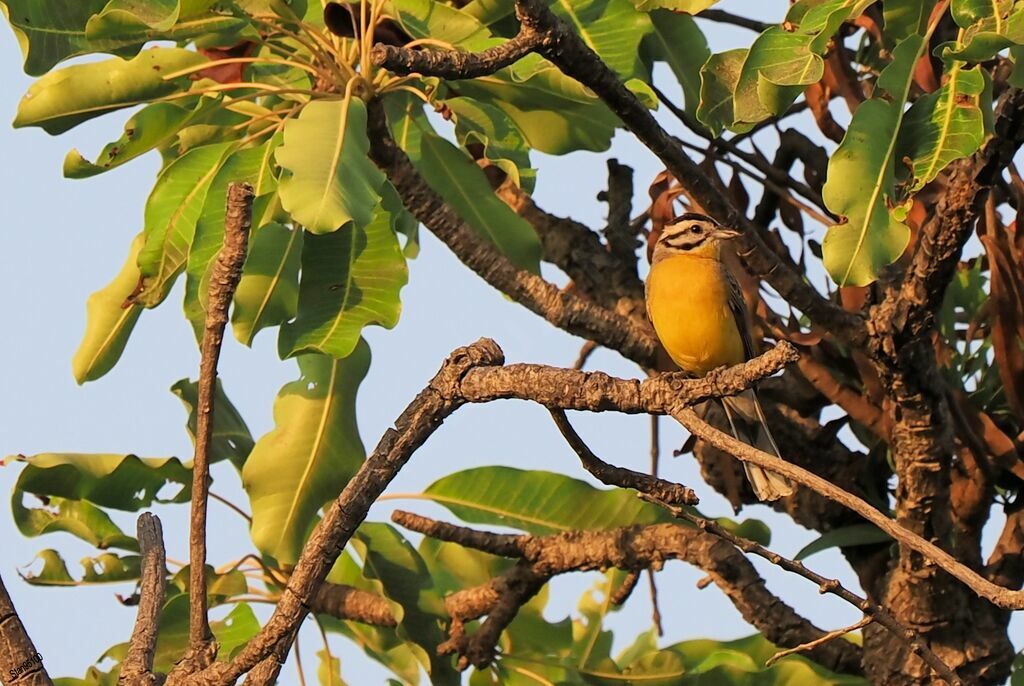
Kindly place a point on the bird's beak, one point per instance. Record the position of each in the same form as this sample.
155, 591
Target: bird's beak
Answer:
726, 234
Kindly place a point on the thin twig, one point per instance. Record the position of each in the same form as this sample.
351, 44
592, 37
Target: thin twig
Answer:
916, 644
832, 635
227, 270
224, 501
137, 667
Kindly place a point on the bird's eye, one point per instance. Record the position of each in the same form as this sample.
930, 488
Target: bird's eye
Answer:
695, 229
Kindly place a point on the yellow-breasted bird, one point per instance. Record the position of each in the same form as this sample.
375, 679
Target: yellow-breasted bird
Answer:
700, 317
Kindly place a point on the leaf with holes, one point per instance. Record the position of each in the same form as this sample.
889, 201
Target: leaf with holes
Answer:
107, 568
123, 482
946, 125
80, 518
309, 456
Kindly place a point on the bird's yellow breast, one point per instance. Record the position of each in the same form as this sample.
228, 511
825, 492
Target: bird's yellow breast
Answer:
688, 303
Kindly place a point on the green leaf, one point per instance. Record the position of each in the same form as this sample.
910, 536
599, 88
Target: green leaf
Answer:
989, 27
903, 18
154, 126
611, 28
485, 125
777, 64
718, 79
658, 668
230, 439
555, 113
390, 559
328, 181
309, 456
944, 126
268, 293
678, 41
172, 210
329, 669
124, 16
63, 99
79, 518
231, 633
109, 321
123, 482
861, 179
103, 569
350, 279
538, 502
249, 166
463, 185
855, 534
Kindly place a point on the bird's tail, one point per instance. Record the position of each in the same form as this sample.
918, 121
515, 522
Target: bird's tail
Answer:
748, 424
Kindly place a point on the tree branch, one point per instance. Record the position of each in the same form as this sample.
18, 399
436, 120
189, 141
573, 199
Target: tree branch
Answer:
137, 667
20, 662
226, 272
628, 548
347, 602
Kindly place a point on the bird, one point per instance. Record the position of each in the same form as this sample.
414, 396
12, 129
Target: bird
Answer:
701, 319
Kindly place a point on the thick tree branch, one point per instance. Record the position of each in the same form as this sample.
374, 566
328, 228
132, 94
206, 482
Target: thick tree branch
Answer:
20, 663
628, 548
227, 270
346, 602
456, 64
137, 667
562, 308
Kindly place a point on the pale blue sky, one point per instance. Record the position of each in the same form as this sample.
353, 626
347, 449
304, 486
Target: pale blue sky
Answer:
64, 239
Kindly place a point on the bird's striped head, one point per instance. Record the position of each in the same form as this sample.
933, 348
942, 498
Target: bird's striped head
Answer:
691, 233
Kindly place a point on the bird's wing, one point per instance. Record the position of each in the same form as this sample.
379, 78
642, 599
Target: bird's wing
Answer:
738, 306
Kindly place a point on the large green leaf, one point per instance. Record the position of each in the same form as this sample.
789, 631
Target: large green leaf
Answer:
556, 114
718, 79
429, 19
268, 293
538, 502
120, 17
109, 321
65, 98
106, 568
172, 210
861, 179
677, 40
50, 31
328, 180
681, 6
309, 456
458, 179
154, 126
611, 28
945, 125
777, 64
79, 518
123, 482
350, 279
390, 559
248, 166
230, 439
